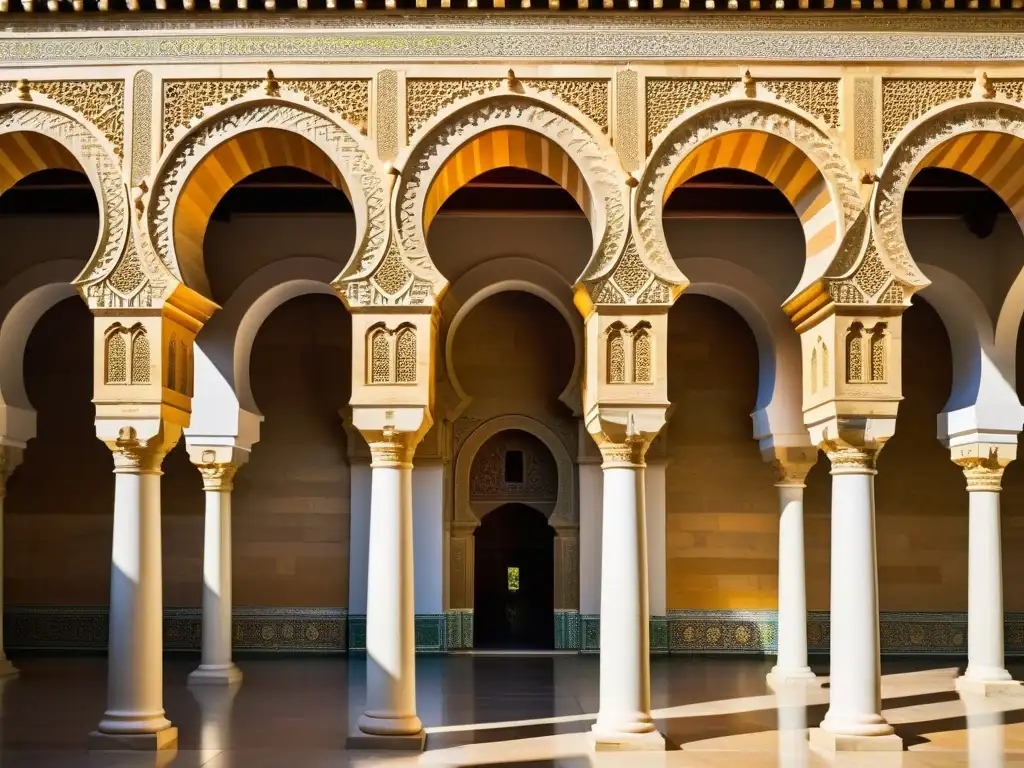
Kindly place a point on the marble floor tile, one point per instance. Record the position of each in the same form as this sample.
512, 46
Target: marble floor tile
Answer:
533, 711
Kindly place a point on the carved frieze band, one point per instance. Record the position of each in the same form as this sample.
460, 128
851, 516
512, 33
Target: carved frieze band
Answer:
426, 97
627, 118
386, 124
667, 98
864, 119
142, 125
185, 101
101, 102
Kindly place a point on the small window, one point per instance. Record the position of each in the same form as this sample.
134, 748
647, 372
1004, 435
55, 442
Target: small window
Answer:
513, 466
513, 579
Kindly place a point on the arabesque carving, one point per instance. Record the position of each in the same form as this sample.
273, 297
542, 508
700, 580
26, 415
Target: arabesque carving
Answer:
606, 182
905, 100
670, 97
427, 97
735, 114
973, 116
101, 102
362, 176
817, 97
186, 101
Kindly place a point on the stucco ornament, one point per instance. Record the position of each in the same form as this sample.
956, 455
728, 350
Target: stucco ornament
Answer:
745, 108
283, 110
515, 105
25, 110
985, 112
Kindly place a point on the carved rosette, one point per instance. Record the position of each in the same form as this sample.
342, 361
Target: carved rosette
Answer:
975, 115
527, 109
284, 111
218, 477
96, 156
734, 112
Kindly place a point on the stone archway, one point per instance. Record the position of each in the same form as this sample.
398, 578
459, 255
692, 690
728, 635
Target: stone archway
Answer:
559, 507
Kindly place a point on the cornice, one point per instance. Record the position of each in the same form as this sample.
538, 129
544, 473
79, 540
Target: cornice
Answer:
370, 36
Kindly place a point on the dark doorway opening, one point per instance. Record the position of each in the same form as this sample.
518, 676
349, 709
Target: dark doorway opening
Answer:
514, 604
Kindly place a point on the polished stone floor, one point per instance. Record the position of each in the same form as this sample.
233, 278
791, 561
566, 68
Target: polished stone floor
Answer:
531, 711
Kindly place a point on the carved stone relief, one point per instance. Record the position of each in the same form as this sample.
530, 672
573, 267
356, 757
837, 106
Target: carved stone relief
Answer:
905, 100
540, 473
127, 357
426, 97
392, 354
142, 122
627, 118
186, 101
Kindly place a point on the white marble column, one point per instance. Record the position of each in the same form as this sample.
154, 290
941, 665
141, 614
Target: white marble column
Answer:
854, 719
134, 718
624, 716
9, 459
986, 668
791, 664
390, 720
216, 666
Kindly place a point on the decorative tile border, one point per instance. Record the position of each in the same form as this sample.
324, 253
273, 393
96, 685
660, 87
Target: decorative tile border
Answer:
253, 628
567, 630
590, 633
659, 635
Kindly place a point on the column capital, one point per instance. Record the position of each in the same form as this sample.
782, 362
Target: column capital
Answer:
983, 465
629, 452
218, 477
390, 448
138, 453
791, 464
850, 459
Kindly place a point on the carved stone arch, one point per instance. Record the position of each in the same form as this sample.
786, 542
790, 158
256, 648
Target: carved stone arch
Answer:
945, 137
562, 129
359, 174
564, 513
80, 146
821, 188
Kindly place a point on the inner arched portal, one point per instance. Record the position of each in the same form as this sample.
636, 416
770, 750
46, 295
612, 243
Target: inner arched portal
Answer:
230, 163
514, 583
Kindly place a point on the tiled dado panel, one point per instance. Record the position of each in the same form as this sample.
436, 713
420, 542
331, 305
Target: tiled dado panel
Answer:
331, 630
254, 629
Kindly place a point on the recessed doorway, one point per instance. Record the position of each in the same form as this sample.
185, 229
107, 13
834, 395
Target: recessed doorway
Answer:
515, 580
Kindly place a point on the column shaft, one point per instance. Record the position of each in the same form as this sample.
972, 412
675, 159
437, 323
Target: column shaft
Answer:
6, 668
135, 656
855, 702
792, 656
624, 718
390, 634
985, 589
216, 665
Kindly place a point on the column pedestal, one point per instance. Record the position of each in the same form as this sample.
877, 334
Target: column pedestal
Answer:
217, 667
134, 719
986, 673
854, 720
791, 664
390, 721
624, 719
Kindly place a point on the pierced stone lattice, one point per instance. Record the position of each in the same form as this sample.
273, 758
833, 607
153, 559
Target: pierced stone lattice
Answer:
392, 275
380, 358
642, 358
892, 295
425, 97
185, 101
871, 275
667, 98
117, 358
140, 358
405, 357
903, 101
855, 356
816, 97
878, 355
616, 359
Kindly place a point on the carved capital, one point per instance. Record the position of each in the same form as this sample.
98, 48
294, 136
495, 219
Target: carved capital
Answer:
851, 460
791, 465
392, 449
140, 456
629, 453
984, 470
218, 477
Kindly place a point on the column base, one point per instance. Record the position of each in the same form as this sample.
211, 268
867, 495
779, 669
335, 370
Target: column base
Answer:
215, 674
789, 675
134, 742
7, 669
830, 743
969, 685
415, 742
618, 741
